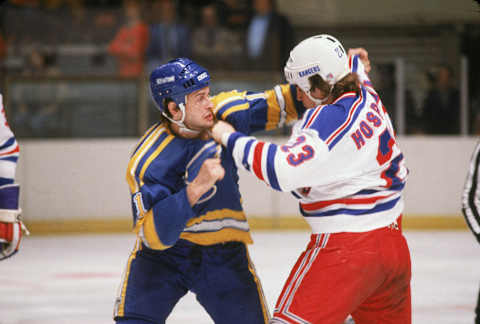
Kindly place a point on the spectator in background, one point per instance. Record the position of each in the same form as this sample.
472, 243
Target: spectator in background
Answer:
269, 37
212, 44
3, 53
130, 42
441, 109
235, 13
78, 21
3, 48
40, 63
386, 87
168, 37
38, 112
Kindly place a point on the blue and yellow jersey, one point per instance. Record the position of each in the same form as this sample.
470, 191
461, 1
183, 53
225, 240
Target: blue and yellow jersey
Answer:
162, 165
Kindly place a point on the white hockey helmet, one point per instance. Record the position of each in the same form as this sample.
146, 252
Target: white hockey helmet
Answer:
321, 54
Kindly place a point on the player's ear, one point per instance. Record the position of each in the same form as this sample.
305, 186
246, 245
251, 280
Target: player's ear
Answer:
174, 111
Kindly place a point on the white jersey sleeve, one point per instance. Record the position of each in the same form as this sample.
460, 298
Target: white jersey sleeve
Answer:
9, 149
283, 167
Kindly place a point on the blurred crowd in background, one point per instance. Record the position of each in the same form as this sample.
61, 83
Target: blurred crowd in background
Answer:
127, 39
47, 36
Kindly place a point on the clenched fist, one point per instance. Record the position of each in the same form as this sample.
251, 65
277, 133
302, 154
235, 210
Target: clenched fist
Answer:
363, 57
221, 128
210, 172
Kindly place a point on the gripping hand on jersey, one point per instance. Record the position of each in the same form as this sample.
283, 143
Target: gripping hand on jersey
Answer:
219, 129
363, 57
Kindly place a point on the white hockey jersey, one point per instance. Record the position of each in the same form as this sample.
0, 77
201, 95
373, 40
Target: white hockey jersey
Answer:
9, 149
342, 162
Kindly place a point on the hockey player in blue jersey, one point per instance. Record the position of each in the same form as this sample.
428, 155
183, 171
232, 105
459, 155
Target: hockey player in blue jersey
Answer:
187, 212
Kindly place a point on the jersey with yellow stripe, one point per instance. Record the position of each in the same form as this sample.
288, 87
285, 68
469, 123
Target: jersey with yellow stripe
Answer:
255, 111
162, 164
342, 162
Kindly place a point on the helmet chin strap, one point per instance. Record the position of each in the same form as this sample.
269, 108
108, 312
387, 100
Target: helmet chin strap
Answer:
319, 101
180, 123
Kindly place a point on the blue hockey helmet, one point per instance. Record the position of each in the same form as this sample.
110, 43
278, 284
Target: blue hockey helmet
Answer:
175, 80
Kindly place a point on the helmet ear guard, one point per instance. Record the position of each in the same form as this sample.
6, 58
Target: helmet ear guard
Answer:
323, 55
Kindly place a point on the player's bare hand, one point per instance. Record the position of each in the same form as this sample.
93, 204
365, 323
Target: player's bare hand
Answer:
363, 57
221, 128
210, 172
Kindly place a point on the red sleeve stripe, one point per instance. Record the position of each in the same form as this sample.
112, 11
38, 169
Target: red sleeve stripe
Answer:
257, 160
15, 150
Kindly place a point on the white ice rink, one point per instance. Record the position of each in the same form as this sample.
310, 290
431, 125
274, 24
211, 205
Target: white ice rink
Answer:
73, 279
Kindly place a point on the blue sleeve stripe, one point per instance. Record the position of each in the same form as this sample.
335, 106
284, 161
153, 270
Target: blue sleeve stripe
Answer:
298, 104
296, 195
10, 158
228, 106
272, 176
246, 152
232, 139
8, 143
355, 63
5, 181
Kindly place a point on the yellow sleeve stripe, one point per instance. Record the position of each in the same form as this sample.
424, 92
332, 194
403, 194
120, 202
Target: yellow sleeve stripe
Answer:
255, 96
234, 109
149, 232
289, 104
159, 149
273, 112
224, 98
147, 133
135, 159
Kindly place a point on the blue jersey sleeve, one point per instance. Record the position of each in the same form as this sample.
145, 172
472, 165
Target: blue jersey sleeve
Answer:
161, 215
249, 112
159, 203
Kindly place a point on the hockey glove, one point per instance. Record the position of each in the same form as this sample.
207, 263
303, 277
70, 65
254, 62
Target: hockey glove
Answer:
11, 227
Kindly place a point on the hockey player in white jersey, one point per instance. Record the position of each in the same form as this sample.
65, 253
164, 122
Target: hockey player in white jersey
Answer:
11, 228
344, 166
471, 206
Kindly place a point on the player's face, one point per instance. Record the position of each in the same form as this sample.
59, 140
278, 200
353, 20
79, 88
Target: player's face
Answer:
306, 101
199, 110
